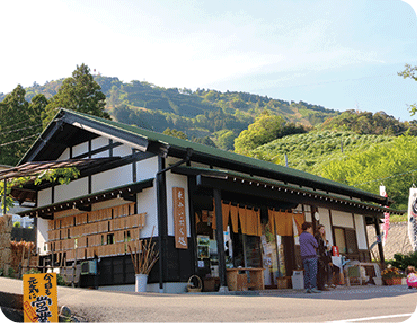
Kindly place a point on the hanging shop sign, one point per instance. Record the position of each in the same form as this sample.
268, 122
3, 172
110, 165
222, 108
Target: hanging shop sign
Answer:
180, 220
40, 298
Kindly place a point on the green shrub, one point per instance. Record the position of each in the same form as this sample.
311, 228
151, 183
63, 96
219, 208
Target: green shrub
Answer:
403, 261
60, 280
11, 272
33, 271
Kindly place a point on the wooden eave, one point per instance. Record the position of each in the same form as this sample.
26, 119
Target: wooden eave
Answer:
83, 203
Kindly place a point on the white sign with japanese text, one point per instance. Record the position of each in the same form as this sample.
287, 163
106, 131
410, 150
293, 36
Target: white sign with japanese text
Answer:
180, 219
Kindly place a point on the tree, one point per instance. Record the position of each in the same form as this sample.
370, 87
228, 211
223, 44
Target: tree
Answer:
393, 164
20, 123
80, 93
175, 133
265, 129
205, 141
226, 139
410, 72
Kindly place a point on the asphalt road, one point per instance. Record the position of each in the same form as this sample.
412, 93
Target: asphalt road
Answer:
382, 304
355, 304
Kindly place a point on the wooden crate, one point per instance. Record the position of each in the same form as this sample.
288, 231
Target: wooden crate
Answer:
81, 218
51, 225
58, 245
128, 222
119, 236
135, 234
70, 254
57, 224
82, 242
283, 282
121, 249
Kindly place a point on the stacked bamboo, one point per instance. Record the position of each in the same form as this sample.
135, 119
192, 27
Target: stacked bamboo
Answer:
91, 230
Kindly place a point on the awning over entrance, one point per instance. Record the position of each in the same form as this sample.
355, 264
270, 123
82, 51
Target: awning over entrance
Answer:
84, 202
228, 181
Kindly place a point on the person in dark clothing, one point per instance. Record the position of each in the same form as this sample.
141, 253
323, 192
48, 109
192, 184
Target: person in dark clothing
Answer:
323, 258
308, 246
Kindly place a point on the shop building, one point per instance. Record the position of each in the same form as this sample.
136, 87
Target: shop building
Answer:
209, 210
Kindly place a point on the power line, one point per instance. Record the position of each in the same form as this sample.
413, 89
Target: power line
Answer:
23, 139
17, 130
6, 127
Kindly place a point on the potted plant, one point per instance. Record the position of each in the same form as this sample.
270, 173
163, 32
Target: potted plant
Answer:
392, 276
143, 260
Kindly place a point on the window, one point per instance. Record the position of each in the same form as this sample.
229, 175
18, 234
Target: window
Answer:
110, 238
339, 239
345, 240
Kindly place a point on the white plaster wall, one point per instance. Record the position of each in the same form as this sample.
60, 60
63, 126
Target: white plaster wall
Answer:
174, 180
146, 168
80, 149
307, 213
65, 155
98, 143
41, 235
360, 231
111, 178
147, 202
75, 188
122, 151
45, 197
325, 220
342, 219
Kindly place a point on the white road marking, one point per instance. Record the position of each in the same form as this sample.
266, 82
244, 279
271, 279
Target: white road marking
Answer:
372, 318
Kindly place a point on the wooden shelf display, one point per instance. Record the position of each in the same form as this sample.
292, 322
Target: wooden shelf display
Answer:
105, 232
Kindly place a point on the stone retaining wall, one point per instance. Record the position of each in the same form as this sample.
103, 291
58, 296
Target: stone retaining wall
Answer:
397, 241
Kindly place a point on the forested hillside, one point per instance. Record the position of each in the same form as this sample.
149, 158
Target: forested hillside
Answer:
361, 149
198, 113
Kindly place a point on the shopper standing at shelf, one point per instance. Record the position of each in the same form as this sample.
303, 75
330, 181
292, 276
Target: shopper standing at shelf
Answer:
308, 249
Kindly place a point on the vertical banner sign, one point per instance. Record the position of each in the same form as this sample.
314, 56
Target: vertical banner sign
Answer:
40, 299
412, 217
385, 225
178, 199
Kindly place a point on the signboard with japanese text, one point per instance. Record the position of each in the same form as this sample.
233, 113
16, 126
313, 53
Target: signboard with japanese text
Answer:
40, 298
180, 220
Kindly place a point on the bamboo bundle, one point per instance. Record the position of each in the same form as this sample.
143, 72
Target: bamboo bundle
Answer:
145, 257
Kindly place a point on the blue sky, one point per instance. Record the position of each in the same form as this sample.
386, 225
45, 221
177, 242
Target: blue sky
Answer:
338, 54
